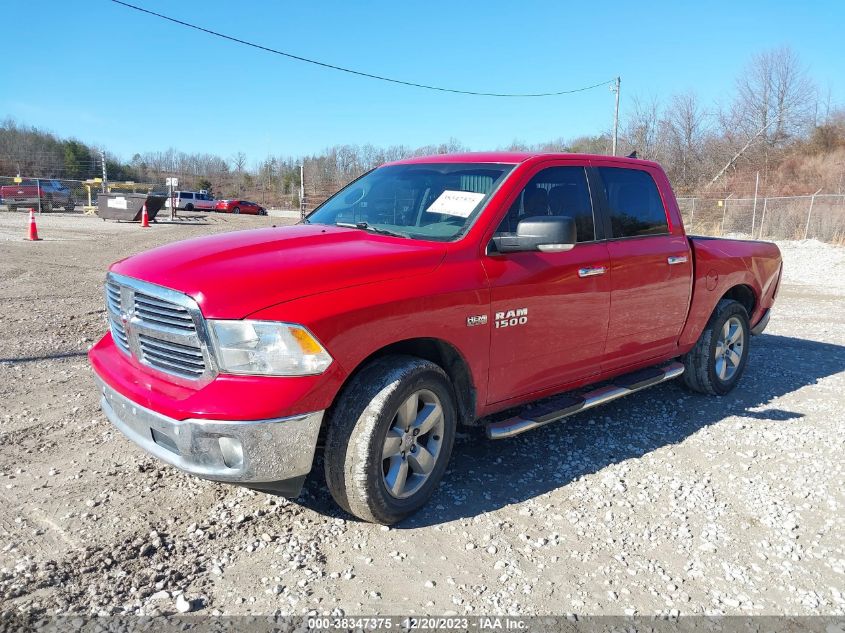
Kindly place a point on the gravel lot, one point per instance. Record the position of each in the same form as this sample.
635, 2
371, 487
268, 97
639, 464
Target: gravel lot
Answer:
661, 503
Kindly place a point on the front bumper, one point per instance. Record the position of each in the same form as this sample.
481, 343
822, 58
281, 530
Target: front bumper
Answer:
273, 455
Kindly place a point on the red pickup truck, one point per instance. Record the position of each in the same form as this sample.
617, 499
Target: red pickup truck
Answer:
52, 194
507, 290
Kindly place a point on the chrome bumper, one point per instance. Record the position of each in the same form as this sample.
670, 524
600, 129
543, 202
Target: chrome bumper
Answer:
273, 454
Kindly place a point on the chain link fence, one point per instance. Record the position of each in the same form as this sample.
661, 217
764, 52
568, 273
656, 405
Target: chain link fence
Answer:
46, 195
56, 194
819, 216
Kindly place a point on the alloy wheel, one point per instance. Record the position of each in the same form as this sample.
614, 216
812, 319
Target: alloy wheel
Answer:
729, 348
413, 444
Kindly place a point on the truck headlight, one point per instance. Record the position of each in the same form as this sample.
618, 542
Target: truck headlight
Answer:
268, 348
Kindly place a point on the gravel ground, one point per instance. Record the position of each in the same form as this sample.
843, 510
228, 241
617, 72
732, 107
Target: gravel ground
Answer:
661, 503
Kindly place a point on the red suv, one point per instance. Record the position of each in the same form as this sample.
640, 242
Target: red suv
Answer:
239, 206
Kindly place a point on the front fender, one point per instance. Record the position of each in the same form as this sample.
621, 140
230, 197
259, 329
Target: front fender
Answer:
354, 323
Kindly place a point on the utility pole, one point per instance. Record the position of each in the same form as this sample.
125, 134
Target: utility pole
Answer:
105, 174
615, 89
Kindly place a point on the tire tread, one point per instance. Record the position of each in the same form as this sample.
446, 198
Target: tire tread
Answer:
352, 425
697, 371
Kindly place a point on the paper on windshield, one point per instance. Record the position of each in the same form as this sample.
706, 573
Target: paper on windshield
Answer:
459, 203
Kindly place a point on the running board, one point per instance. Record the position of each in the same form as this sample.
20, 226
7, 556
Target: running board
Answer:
566, 405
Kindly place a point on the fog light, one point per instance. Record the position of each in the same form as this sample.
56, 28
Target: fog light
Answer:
233, 452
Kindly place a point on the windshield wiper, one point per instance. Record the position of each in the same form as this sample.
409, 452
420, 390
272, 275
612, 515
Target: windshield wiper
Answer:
373, 229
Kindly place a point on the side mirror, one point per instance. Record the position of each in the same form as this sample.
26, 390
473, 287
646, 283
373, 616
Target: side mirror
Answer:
545, 233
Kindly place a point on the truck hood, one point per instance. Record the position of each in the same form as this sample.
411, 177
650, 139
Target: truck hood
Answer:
232, 275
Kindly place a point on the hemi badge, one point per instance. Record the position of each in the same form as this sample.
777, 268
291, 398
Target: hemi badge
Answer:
480, 319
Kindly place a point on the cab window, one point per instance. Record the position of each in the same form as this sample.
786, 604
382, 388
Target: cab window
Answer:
555, 191
633, 202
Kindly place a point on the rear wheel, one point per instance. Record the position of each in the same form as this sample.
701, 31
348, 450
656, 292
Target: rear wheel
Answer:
716, 363
189, 207
390, 438
47, 205
12, 207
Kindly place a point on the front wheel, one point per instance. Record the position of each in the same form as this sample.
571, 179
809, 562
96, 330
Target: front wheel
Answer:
236, 210
716, 363
390, 437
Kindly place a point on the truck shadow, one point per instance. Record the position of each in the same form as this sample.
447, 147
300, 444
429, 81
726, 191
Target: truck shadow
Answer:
487, 475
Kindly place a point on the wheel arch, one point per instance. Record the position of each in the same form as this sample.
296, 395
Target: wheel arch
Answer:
744, 295
439, 352
705, 302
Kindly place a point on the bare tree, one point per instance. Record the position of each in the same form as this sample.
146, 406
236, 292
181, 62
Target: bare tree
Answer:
774, 94
642, 127
683, 130
238, 165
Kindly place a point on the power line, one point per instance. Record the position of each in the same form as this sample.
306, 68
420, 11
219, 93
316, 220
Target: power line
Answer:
357, 72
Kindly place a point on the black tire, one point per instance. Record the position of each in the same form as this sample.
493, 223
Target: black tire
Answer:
700, 363
70, 206
358, 426
236, 210
12, 207
47, 205
189, 207
262, 212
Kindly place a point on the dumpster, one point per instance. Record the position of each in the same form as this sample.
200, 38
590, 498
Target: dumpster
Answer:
127, 206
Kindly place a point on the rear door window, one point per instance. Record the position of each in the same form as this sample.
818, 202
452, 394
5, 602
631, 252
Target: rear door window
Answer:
634, 204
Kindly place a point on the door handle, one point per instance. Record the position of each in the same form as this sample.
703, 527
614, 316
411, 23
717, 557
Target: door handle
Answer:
591, 271
677, 260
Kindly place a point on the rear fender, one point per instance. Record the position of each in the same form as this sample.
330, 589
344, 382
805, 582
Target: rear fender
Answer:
722, 265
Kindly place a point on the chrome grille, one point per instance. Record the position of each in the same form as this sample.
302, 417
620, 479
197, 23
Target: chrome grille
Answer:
161, 328
163, 313
183, 360
118, 332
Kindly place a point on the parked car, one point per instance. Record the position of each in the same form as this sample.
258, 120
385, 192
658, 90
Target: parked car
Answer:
240, 206
495, 290
191, 201
26, 194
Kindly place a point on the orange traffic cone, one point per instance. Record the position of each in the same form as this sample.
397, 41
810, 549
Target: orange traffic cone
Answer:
145, 219
33, 230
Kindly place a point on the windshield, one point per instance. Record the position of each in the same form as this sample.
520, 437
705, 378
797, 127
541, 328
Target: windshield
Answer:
428, 201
